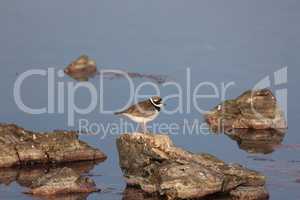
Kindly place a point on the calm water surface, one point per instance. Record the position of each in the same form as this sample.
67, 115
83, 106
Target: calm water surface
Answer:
220, 42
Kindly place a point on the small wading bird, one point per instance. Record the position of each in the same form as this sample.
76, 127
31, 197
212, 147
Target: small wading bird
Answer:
144, 111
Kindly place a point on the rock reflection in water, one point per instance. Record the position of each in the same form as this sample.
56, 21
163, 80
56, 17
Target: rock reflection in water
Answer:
133, 193
257, 141
77, 196
90, 73
26, 177
159, 79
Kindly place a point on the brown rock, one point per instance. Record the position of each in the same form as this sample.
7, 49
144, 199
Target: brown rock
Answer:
27, 174
21, 147
253, 109
82, 68
154, 164
63, 181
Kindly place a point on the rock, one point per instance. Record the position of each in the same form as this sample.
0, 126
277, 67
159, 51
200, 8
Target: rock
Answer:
249, 193
26, 175
253, 109
82, 68
62, 181
21, 147
263, 141
132, 193
58, 181
154, 164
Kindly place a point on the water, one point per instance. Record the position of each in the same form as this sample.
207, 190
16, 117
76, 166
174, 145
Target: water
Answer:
220, 42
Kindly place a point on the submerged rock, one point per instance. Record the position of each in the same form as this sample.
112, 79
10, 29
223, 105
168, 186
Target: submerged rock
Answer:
253, 109
21, 147
82, 68
154, 164
257, 141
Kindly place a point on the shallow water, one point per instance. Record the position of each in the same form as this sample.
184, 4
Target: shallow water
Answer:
232, 41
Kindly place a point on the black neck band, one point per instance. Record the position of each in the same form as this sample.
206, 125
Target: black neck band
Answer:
155, 106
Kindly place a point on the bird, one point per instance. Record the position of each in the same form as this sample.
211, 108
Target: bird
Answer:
144, 111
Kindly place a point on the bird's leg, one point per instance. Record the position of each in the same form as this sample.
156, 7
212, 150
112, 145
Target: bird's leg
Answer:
144, 127
140, 127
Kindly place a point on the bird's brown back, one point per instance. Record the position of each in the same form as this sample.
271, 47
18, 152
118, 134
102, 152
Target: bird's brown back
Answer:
141, 109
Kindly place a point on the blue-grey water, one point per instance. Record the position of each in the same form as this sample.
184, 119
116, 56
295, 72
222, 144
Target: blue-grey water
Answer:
219, 41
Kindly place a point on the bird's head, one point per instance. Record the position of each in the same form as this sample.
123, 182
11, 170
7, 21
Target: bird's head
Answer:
157, 101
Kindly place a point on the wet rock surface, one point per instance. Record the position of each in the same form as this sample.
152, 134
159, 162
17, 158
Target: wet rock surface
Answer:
154, 164
82, 68
263, 141
253, 109
21, 147
65, 181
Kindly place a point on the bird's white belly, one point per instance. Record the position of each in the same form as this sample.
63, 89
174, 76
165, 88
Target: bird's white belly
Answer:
141, 119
